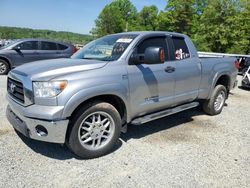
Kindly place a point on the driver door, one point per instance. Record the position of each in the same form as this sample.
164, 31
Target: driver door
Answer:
25, 52
151, 86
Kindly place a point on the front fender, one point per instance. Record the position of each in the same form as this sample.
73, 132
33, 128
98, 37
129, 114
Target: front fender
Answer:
88, 93
2, 56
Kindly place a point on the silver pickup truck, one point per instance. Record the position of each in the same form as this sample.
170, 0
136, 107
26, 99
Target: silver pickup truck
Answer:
86, 101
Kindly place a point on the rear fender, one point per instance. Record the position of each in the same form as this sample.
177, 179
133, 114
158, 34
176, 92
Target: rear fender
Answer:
215, 79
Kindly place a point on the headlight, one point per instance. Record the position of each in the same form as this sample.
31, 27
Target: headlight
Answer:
49, 89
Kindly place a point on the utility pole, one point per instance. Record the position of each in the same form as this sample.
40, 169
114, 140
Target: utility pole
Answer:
128, 14
126, 30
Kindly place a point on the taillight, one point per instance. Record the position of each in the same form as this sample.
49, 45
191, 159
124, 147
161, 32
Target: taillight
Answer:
237, 64
74, 50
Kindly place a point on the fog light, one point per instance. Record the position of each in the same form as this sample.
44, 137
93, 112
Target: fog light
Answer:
41, 131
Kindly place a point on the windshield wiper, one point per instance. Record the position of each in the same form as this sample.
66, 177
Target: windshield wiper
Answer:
109, 58
89, 58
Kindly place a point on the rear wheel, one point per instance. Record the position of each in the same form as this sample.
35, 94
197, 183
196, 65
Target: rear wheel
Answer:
95, 130
4, 67
215, 104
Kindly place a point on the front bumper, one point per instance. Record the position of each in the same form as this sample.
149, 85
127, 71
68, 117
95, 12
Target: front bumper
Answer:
31, 127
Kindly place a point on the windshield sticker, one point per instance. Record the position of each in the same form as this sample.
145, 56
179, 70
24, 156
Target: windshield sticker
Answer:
124, 40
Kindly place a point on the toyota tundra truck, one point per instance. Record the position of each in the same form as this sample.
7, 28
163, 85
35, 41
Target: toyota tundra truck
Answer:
87, 100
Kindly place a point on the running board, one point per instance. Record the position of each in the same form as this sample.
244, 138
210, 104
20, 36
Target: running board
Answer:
164, 113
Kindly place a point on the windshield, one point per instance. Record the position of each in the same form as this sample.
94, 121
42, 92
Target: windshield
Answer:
8, 43
108, 48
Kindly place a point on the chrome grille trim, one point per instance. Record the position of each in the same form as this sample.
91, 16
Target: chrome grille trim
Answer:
15, 90
24, 88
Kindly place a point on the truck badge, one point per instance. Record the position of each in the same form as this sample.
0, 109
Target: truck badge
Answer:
12, 87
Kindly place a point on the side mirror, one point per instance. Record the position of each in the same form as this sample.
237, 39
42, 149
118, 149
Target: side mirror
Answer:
17, 48
136, 59
152, 55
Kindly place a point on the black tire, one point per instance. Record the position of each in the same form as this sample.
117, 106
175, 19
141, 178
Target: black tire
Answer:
4, 67
73, 140
209, 105
244, 71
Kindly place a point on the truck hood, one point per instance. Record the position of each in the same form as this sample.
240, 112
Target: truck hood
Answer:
48, 69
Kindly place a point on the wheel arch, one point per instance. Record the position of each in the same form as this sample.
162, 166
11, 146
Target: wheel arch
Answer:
112, 99
223, 79
7, 60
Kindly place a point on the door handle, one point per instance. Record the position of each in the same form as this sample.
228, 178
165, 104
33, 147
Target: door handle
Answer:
169, 69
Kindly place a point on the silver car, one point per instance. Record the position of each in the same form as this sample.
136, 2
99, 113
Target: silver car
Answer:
87, 100
27, 50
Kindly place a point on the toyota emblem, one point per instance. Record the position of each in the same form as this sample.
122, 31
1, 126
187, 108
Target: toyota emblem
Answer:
12, 87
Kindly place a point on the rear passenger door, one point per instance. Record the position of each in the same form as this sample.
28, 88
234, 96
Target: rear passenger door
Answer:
188, 70
64, 51
48, 50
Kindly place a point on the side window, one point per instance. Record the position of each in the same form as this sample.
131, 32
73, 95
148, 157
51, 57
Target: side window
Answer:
29, 45
180, 48
48, 46
153, 42
62, 47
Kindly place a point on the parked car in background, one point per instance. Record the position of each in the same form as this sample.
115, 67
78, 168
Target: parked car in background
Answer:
244, 65
23, 51
245, 83
6, 42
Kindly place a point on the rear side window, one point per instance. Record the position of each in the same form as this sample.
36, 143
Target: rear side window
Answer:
153, 42
180, 48
28, 45
62, 47
48, 46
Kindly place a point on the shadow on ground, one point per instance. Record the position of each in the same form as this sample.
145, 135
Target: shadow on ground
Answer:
61, 152
140, 131
52, 150
244, 88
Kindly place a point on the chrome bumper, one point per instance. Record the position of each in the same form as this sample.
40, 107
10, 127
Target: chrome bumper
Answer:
30, 127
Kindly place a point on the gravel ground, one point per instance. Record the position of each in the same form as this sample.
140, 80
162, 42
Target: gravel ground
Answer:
189, 149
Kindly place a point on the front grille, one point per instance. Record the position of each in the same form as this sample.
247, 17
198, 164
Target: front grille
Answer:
15, 90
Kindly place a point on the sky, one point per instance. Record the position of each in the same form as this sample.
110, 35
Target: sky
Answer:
60, 15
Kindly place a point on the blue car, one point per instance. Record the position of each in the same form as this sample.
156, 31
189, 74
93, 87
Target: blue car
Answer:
24, 51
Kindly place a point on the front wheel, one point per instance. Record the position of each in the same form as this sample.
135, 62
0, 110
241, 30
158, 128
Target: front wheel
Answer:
95, 130
215, 104
4, 67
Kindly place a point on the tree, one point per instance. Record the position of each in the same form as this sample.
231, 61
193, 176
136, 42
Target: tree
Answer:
200, 6
241, 29
178, 16
217, 27
213, 25
19, 33
148, 18
115, 18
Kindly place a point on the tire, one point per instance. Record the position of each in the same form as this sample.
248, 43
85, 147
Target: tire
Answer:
4, 67
90, 138
245, 82
244, 71
215, 104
